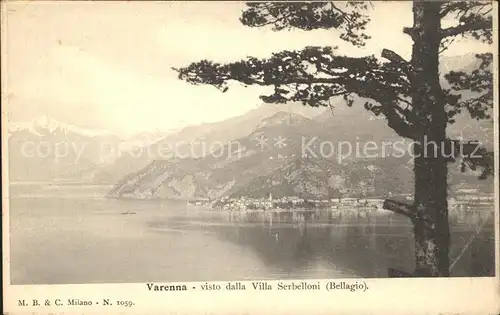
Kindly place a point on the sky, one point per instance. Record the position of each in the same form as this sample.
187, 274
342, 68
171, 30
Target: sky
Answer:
107, 65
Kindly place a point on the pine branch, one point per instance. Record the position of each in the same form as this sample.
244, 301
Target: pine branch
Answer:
479, 83
399, 125
479, 25
347, 17
471, 154
394, 57
474, 18
314, 75
408, 210
463, 7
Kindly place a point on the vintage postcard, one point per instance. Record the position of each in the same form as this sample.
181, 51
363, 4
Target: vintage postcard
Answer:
204, 157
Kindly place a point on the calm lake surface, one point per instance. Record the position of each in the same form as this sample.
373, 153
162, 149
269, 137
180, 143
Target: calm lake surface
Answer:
71, 234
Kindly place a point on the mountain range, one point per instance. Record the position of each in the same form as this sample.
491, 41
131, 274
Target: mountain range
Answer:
252, 154
283, 168
194, 141
272, 159
49, 150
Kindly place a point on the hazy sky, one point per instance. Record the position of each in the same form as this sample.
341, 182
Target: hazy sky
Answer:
107, 65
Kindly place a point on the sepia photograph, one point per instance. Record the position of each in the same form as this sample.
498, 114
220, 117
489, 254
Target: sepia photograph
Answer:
248, 146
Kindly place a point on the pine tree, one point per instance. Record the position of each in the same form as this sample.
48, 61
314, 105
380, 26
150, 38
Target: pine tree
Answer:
407, 93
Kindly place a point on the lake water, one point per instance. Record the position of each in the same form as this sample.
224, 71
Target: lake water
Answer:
71, 234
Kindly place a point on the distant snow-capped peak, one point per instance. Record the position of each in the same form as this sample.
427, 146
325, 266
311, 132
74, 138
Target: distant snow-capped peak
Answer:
282, 118
47, 125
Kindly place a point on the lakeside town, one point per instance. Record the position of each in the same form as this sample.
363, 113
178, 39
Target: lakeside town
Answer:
464, 200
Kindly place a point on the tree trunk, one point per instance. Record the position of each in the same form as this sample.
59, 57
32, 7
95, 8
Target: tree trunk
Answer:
431, 228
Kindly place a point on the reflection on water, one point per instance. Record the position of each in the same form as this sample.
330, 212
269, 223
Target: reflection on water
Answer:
364, 246
82, 238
